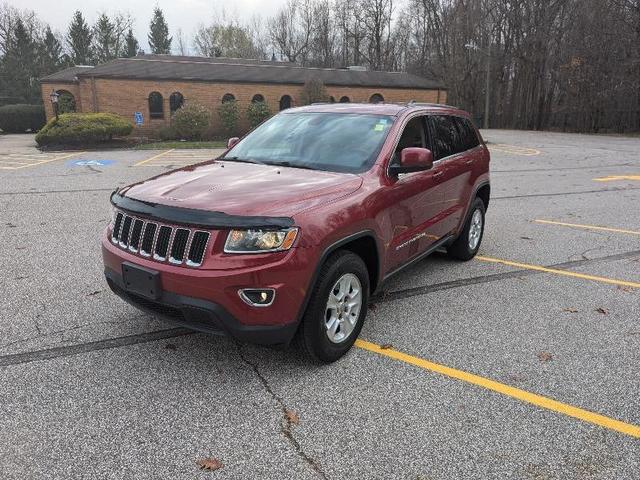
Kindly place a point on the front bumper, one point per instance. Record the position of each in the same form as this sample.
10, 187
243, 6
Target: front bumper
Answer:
201, 315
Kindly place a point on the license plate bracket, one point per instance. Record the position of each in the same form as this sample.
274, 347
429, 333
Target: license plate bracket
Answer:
141, 281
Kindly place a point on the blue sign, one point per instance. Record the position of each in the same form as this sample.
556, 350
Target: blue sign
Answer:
139, 118
89, 163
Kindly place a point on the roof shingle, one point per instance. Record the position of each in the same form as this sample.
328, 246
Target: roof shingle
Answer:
233, 70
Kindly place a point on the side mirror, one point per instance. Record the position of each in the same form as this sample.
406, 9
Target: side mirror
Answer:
232, 141
413, 159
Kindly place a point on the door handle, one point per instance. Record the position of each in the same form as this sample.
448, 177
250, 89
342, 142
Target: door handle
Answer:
438, 174
469, 162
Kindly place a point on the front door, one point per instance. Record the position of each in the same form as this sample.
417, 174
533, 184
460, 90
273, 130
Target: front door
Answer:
415, 202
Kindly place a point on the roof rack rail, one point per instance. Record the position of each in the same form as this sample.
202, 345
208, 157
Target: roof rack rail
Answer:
427, 104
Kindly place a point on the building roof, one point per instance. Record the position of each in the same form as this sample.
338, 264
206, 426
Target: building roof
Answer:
233, 70
68, 75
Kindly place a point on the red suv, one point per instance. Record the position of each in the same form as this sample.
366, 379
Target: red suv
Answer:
295, 226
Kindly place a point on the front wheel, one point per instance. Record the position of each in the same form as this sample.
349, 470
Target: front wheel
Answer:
337, 308
468, 242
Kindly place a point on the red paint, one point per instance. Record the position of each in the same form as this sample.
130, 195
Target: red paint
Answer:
405, 215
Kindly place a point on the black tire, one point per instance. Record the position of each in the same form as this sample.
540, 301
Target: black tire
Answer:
460, 249
312, 337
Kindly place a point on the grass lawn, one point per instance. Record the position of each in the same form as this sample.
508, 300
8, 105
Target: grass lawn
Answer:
178, 144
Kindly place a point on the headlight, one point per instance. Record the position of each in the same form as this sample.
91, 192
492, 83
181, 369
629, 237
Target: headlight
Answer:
257, 241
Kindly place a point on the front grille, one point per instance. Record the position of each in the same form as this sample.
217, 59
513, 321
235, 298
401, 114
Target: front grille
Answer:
178, 245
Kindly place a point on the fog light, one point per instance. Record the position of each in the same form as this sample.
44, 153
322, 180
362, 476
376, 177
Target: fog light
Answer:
257, 297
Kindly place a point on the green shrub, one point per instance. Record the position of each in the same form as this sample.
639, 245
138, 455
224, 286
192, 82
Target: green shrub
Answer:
191, 121
167, 133
257, 112
228, 114
83, 128
21, 118
66, 103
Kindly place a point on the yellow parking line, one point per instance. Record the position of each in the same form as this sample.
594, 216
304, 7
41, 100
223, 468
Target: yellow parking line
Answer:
613, 178
514, 149
14, 163
522, 395
566, 273
63, 157
153, 158
588, 227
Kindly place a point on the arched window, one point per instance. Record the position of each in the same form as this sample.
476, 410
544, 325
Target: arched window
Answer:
156, 107
257, 98
285, 102
176, 100
228, 97
344, 99
66, 102
376, 98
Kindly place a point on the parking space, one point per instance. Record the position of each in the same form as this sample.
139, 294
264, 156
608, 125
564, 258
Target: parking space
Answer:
522, 363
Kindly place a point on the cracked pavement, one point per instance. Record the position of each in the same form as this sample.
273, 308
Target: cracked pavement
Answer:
93, 388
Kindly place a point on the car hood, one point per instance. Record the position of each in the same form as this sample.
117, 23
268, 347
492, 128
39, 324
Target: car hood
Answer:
244, 188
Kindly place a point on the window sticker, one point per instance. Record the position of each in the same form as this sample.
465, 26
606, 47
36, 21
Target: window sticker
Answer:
378, 127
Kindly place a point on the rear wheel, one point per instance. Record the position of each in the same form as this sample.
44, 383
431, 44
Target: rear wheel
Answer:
337, 308
468, 242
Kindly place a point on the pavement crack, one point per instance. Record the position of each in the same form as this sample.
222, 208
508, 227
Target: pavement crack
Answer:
286, 423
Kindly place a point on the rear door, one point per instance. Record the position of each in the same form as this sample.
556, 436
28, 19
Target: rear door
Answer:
451, 158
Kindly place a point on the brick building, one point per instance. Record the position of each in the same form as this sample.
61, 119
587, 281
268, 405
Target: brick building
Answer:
156, 85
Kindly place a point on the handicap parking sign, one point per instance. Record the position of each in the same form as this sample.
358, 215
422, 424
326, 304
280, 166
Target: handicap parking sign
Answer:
138, 118
89, 163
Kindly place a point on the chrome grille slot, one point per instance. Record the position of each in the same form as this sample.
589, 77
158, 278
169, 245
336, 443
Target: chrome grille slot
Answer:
198, 246
136, 232
115, 234
147, 239
179, 245
126, 230
162, 243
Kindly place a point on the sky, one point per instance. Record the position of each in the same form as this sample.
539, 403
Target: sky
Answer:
184, 14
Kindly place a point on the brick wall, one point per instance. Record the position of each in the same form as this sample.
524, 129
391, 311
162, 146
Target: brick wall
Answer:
125, 97
46, 88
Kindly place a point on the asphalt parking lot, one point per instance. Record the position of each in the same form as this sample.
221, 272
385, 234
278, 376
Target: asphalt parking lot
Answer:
523, 363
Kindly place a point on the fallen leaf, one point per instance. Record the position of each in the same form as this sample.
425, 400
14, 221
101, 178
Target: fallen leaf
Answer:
624, 288
570, 310
292, 417
603, 311
171, 346
386, 346
545, 357
95, 292
372, 307
526, 238
11, 225
209, 464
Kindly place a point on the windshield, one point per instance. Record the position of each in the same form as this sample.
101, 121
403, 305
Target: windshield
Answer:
335, 142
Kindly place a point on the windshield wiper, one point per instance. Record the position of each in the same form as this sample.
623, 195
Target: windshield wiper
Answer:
238, 159
289, 164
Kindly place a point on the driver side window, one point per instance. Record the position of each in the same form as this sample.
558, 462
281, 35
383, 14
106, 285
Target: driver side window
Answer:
412, 136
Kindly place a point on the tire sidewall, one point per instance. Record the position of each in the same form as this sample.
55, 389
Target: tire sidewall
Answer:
478, 204
314, 329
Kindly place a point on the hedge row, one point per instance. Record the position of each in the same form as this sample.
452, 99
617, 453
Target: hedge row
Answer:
21, 118
83, 128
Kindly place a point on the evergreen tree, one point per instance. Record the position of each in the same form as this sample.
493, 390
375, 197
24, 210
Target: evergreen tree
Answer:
131, 45
159, 39
51, 55
104, 40
79, 39
19, 64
